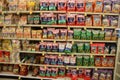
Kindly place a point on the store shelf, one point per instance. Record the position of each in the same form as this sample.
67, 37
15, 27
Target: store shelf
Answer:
59, 53
8, 74
105, 41
118, 63
117, 75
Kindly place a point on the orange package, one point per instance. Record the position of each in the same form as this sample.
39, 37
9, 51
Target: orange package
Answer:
71, 19
62, 5
111, 61
80, 20
19, 32
96, 20
71, 5
101, 47
88, 21
104, 62
98, 61
1, 56
89, 6
98, 6
80, 5
34, 33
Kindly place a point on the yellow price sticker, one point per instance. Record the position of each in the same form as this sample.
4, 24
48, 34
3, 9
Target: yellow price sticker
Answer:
18, 12
72, 55
72, 42
41, 40
43, 53
96, 69
68, 27
41, 26
59, 54
2, 12
31, 12
102, 28
91, 42
84, 28
91, 56
66, 67
19, 78
104, 56
77, 68
45, 67
54, 41
85, 14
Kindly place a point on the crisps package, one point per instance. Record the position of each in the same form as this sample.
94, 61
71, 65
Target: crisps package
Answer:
44, 5
98, 6
80, 20
22, 5
62, 19
107, 6
89, 5
61, 5
52, 5
71, 5
88, 21
71, 19
80, 5
96, 20
116, 6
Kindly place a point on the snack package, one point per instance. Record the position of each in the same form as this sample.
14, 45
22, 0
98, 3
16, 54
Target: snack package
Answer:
63, 33
61, 47
42, 71
56, 33
44, 5
80, 5
108, 34
36, 19
70, 34
8, 19
44, 34
1, 56
44, 18
1, 5
101, 35
95, 34
7, 56
83, 35
74, 74
43, 46
111, 61
36, 6
87, 74
112, 49
48, 72
107, 6
49, 47
89, 6
23, 70
73, 61
79, 61
1, 19
88, 21
74, 48
114, 37
60, 60
98, 61
98, 6
68, 48
27, 32
68, 72
66, 60
80, 20
77, 33
62, 5
87, 47
51, 18
81, 73
80, 47
96, 20
50, 33
10, 68
86, 60
95, 75
115, 6
70, 5
106, 21
101, 47
114, 21
71, 19
22, 5
55, 47
39, 34
102, 76
94, 48
19, 32
53, 60
92, 61
5, 67
52, 5
104, 62
12, 5
109, 75
34, 34
61, 72
30, 19
23, 20
88, 34
54, 72
62, 19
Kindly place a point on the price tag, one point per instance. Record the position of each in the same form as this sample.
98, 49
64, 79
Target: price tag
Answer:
66, 67
103, 14
72, 55
96, 69
91, 56
41, 26
19, 78
31, 12
85, 14
68, 27
60, 54
41, 40
72, 42
91, 42
104, 56
4, 26
102, 28
18, 12
43, 53
2, 12
77, 68
84, 28
54, 41
45, 67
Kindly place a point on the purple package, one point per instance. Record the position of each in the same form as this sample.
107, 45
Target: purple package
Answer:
115, 6
88, 73
60, 60
114, 21
107, 6
53, 60
109, 75
95, 75
102, 75
47, 59
74, 72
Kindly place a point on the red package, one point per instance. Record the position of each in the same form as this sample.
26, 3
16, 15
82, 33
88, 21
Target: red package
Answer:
87, 74
104, 62
101, 48
68, 72
80, 20
1, 56
74, 74
80, 5
98, 6
81, 73
71, 19
94, 48
98, 61
62, 5
71, 5
111, 61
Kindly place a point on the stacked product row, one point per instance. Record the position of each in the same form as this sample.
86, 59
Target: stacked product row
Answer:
49, 72
97, 61
63, 5
52, 33
61, 19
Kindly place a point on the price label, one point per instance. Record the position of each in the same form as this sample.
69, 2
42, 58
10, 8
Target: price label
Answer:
72, 42
84, 28
91, 56
19, 78
104, 56
96, 69
68, 27
66, 67
72, 55
31, 12
54, 41
4, 26
59, 54
2, 12
91, 42
102, 28
43, 53
41, 40
45, 67
18, 12
77, 68
41, 26
85, 14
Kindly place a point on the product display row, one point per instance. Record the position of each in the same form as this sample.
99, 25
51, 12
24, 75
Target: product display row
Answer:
97, 61
62, 5
61, 19
87, 74
52, 33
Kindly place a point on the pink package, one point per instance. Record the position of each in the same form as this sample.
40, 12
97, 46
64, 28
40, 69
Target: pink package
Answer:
80, 5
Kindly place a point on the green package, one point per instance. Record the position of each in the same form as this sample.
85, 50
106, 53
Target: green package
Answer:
95, 34
61, 72
77, 33
79, 61
87, 47
91, 61
44, 6
83, 35
48, 72
52, 6
74, 48
61, 18
80, 47
42, 72
88, 34
85, 60
101, 35
54, 72
30, 19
